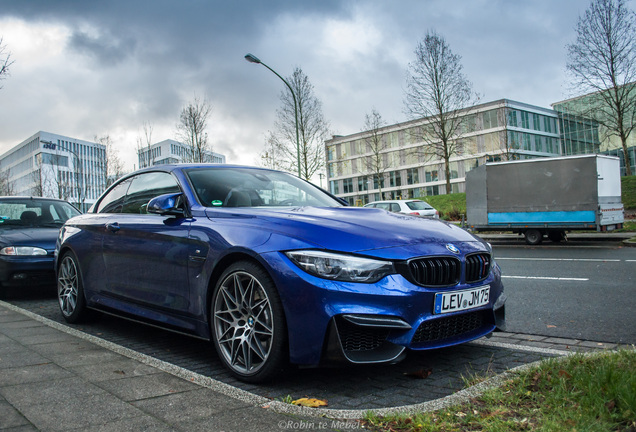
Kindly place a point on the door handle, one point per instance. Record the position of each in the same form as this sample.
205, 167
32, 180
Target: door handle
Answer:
114, 227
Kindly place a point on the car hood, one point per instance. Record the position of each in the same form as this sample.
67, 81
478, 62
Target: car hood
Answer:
40, 237
354, 229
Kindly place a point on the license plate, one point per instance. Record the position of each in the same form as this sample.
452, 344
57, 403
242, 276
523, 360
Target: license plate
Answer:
461, 300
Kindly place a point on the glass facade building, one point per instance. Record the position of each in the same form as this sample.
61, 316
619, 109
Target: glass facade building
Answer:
55, 166
170, 151
582, 132
398, 165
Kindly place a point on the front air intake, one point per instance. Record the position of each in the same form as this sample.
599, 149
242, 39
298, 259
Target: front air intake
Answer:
435, 271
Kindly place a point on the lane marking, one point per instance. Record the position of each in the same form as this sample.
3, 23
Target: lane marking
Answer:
562, 259
546, 278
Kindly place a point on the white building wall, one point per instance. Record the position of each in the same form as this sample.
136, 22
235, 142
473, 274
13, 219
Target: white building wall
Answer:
168, 152
56, 166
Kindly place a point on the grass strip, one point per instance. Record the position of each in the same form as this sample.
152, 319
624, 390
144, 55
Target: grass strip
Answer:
575, 393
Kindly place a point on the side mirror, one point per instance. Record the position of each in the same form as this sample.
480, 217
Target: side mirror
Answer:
167, 205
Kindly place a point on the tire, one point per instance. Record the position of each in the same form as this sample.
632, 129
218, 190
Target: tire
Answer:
533, 237
248, 323
556, 236
70, 289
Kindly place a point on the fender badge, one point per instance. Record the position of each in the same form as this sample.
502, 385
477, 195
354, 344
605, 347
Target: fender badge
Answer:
452, 248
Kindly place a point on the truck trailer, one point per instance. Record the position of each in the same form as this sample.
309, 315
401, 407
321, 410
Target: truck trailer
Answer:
546, 196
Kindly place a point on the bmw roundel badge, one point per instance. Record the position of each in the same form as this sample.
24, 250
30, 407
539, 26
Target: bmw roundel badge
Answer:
451, 247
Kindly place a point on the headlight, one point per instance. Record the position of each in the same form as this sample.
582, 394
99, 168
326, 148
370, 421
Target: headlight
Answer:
345, 268
22, 251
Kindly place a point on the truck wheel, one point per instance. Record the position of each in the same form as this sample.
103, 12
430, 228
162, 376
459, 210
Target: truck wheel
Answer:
533, 237
556, 236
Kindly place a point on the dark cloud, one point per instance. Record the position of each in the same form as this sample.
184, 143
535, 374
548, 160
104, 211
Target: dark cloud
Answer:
126, 62
106, 48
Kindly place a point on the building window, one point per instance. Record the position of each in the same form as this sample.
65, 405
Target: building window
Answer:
363, 184
490, 119
412, 176
432, 190
512, 118
333, 185
376, 184
525, 120
331, 153
395, 180
431, 175
347, 185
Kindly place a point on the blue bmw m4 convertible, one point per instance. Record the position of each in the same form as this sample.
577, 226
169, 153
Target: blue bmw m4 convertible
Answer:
274, 270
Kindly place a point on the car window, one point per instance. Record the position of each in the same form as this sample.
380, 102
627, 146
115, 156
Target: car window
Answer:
418, 205
395, 207
26, 212
383, 206
145, 187
238, 187
113, 201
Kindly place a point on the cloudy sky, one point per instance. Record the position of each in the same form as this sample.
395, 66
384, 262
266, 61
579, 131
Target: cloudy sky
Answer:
91, 68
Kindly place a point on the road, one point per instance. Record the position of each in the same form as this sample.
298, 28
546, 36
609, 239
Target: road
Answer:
581, 292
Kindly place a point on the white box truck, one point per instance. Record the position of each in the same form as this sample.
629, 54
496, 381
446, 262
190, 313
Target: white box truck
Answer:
546, 196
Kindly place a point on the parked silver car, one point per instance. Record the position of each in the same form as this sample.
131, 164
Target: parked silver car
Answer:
412, 207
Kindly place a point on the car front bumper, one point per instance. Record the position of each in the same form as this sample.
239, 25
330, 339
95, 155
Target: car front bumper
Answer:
33, 271
373, 323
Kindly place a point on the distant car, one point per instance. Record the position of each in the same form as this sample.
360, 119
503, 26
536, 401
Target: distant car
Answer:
272, 269
28, 231
412, 207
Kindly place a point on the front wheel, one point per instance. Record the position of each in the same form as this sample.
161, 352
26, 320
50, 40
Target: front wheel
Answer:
248, 323
70, 289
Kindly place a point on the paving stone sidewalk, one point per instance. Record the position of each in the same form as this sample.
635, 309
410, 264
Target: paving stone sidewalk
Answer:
51, 380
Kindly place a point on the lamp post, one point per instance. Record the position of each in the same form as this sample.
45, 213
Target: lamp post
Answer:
253, 59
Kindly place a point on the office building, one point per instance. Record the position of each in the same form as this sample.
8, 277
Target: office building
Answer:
171, 151
55, 166
587, 134
499, 130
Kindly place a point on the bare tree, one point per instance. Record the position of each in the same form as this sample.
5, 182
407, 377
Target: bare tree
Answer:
193, 122
5, 61
144, 142
36, 177
114, 167
603, 60
377, 162
271, 157
7, 187
313, 129
437, 90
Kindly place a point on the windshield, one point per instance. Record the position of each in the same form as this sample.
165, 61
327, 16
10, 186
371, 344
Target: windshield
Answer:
27, 212
244, 187
418, 205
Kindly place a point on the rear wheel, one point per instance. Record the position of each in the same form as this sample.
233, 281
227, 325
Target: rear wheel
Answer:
533, 237
70, 289
248, 323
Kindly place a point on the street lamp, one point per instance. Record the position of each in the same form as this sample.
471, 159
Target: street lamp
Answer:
253, 59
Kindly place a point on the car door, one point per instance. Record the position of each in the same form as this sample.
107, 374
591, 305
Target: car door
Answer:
146, 255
